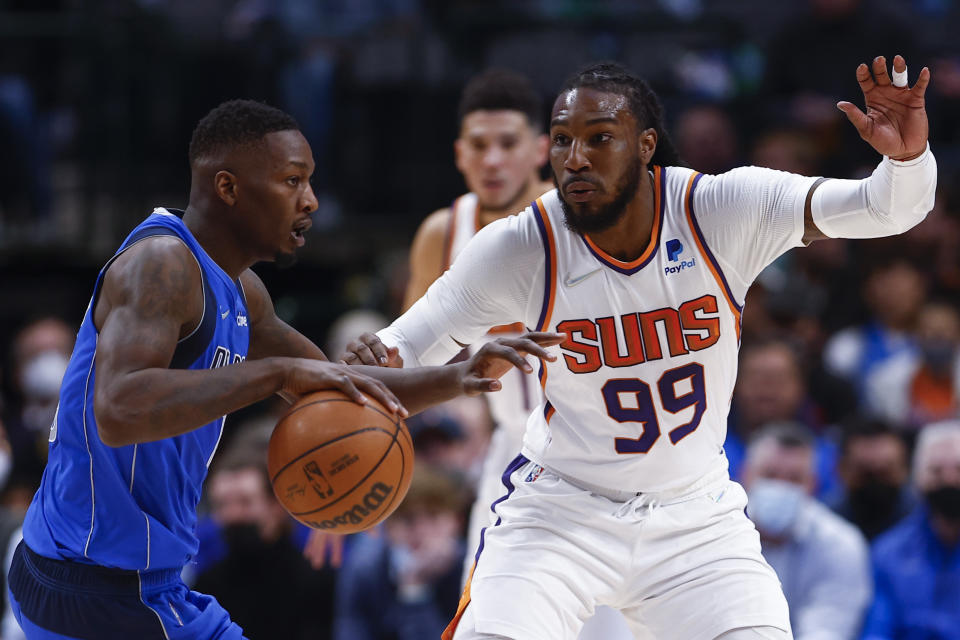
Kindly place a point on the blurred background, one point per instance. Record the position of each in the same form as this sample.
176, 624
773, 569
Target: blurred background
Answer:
854, 343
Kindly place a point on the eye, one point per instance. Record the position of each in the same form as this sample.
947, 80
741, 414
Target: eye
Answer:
600, 138
560, 139
293, 181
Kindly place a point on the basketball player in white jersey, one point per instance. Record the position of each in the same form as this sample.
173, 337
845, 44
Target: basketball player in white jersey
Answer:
621, 494
499, 152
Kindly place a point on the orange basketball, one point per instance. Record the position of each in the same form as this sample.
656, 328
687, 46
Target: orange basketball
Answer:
337, 465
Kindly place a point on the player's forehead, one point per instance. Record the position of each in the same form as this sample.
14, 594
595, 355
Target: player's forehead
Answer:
586, 105
493, 123
283, 150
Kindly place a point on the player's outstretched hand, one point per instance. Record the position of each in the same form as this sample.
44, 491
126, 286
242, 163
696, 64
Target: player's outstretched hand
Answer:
495, 358
367, 349
895, 123
306, 375
323, 546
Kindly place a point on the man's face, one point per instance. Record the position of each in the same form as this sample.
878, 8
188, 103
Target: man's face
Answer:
874, 459
940, 466
769, 386
596, 156
273, 194
499, 154
238, 497
773, 461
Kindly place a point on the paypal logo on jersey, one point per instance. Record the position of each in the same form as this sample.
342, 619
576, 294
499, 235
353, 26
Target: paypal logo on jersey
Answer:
674, 249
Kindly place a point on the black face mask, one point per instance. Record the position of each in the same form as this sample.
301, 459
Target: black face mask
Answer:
945, 502
874, 498
243, 538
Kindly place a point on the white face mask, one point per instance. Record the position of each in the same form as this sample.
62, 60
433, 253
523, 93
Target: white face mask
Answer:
43, 374
773, 505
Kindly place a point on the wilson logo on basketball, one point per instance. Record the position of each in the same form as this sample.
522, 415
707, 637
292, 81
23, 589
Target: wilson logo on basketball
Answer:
358, 512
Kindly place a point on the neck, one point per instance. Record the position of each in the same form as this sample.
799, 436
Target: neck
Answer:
533, 190
630, 236
216, 238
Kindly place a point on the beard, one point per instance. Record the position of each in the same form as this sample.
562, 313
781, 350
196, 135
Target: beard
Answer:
606, 216
284, 260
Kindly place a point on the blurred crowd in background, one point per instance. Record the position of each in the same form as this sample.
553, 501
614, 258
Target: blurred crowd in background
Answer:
851, 349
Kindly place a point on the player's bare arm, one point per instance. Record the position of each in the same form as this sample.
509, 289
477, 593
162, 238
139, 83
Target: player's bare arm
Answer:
152, 297
426, 255
895, 122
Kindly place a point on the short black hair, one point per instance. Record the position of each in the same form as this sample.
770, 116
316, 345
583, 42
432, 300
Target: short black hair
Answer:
861, 427
502, 90
237, 123
645, 105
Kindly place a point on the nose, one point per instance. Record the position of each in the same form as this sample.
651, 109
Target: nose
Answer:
493, 156
576, 160
309, 204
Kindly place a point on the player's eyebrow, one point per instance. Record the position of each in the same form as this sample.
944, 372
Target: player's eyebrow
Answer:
599, 119
299, 164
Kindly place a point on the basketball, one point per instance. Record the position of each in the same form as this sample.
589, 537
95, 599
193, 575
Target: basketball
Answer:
339, 466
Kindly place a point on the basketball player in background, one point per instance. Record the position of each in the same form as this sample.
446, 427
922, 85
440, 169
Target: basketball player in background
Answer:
621, 494
179, 332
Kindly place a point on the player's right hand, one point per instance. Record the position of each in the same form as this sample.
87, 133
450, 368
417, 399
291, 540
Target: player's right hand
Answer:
368, 349
305, 375
498, 356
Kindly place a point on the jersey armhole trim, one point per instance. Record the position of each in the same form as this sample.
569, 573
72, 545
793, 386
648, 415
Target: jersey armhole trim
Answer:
549, 264
450, 235
701, 241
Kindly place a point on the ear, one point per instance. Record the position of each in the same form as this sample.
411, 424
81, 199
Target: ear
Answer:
225, 186
648, 145
458, 153
543, 148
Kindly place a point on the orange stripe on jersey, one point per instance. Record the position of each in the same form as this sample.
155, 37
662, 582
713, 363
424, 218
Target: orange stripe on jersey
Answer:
550, 277
654, 241
461, 607
516, 327
451, 234
705, 251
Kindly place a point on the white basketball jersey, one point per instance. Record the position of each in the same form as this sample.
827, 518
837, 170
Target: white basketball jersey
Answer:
646, 376
520, 394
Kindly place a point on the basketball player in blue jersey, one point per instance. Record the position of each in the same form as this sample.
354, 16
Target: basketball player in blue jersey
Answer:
620, 495
179, 332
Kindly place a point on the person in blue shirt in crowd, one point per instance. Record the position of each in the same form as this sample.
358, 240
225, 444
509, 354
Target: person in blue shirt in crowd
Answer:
917, 563
180, 332
404, 584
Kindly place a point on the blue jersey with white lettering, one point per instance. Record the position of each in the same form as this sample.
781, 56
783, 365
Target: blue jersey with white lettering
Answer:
134, 507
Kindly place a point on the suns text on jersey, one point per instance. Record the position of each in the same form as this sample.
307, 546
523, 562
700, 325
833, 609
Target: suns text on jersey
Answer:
593, 343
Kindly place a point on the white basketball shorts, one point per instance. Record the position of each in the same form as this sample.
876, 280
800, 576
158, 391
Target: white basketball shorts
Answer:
683, 566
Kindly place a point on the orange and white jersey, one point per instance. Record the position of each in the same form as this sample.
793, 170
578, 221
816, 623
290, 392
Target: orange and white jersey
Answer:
520, 393
638, 398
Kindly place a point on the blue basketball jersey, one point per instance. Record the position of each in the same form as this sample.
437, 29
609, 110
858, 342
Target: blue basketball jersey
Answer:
134, 507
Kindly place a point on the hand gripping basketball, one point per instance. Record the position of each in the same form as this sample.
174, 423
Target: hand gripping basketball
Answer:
495, 358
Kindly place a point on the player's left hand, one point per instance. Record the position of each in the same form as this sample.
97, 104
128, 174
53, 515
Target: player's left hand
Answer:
895, 123
369, 350
495, 358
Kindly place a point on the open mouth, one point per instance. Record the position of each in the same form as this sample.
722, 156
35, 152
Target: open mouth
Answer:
580, 191
299, 229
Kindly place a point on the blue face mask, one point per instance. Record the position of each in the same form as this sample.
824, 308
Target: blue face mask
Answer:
773, 506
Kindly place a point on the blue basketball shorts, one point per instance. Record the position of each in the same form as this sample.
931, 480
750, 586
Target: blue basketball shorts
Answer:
54, 599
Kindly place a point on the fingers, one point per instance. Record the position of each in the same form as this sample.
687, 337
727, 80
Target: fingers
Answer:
367, 349
377, 348
344, 383
922, 81
505, 350
545, 338
380, 393
864, 79
880, 75
534, 349
474, 386
857, 117
899, 64
393, 358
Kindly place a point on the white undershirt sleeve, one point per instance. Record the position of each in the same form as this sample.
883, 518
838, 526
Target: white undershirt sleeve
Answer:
895, 198
497, 279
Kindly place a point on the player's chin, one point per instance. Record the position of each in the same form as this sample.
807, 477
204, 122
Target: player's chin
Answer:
285, 259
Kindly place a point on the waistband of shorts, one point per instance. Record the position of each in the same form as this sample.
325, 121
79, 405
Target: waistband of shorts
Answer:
91, 577
702, 485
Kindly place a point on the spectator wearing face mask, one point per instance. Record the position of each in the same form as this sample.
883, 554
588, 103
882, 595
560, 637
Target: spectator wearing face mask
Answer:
918, 387
821, 559
917, 563
874, 471
263, 579
405, 583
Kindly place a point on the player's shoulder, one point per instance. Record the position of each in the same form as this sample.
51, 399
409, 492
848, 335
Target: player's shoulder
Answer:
434, 226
